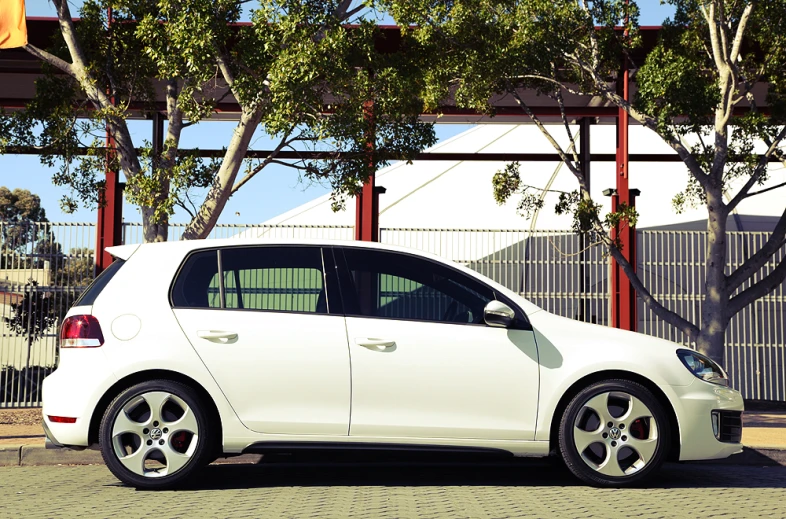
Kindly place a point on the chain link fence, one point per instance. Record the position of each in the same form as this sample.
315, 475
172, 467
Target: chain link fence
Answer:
46, 266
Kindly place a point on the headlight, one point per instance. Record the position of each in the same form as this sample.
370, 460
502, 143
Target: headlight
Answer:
703, 367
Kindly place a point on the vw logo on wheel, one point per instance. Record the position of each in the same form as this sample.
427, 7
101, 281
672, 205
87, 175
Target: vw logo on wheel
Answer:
614, 433
155, 434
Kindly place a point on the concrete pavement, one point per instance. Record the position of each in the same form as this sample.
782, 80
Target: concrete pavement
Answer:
523, 488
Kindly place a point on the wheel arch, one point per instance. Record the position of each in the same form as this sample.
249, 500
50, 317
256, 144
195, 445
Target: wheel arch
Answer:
143, 376
573, 390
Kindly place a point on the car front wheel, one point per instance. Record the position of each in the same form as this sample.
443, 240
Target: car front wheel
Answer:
614, 433
155, 434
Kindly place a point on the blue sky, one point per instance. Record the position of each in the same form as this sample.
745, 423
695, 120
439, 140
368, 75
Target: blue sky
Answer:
274, 190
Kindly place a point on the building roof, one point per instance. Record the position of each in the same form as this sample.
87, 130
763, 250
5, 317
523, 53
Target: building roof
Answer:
458, 194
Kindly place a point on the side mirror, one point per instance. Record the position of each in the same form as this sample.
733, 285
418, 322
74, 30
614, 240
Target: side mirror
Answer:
498, 314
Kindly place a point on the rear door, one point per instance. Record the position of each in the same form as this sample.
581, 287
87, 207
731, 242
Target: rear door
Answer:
267, 331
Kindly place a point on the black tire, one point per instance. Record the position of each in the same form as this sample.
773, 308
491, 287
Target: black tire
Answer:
159, 441
595, 464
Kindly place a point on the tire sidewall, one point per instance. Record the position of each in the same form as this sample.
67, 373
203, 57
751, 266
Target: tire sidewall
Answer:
204, 438
572, 457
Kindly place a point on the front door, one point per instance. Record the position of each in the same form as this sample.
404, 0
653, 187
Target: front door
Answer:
424, 363
272, 344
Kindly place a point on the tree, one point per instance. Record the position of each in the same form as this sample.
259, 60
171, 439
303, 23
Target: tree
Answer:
20, 214
282, 68
706, 63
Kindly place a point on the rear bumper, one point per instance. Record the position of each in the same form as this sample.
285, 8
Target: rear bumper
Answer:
697, 401
50, 442
73, 390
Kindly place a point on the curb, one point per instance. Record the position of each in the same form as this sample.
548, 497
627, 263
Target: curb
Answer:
39, 455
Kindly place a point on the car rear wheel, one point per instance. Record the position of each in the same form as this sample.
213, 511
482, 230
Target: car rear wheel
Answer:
614, 433
156, 434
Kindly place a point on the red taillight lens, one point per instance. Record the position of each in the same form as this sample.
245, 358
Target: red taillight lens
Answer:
62, 419
81, 331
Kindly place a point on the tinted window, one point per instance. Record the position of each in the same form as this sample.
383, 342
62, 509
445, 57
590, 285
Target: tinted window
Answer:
274, 278
400, 286
89, 296
197, 283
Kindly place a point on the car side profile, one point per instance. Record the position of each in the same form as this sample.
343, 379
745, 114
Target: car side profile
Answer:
183, 352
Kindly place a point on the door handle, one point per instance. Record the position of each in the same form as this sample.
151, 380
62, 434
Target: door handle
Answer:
217, 336
375, 344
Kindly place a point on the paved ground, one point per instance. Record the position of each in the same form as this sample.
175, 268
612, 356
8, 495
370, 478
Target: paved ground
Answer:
499, 490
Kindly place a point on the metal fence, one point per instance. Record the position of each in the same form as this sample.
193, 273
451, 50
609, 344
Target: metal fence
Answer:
45, 267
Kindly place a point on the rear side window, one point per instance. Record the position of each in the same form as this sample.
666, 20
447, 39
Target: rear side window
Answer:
89, 296
278, 279
197, 284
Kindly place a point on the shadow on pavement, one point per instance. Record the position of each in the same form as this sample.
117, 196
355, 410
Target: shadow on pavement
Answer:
515, 472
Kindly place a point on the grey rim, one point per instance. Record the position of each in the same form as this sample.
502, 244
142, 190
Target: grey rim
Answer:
155, 434
615, 434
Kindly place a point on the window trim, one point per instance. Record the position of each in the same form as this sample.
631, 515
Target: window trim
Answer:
522, 321
330, 285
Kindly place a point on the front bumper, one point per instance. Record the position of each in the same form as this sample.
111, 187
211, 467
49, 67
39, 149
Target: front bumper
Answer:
694, 408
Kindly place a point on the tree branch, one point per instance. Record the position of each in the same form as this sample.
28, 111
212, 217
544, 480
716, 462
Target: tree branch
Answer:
755, 262
281, 145
672, 318
761, 167
758, 290
761, 191
51, 59
535, 119
644, 119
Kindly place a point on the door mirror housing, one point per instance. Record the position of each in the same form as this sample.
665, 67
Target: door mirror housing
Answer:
498, 314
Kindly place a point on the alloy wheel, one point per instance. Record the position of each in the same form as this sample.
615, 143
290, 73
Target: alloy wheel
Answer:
615, 434
155, 434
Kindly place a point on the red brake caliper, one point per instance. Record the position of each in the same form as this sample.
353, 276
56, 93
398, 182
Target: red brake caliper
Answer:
637, 429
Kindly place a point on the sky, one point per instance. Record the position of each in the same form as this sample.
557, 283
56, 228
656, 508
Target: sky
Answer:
273, 191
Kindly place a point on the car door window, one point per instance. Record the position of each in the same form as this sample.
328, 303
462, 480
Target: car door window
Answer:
400, 286
284, 279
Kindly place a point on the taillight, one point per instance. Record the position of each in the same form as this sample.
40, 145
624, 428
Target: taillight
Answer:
81, 331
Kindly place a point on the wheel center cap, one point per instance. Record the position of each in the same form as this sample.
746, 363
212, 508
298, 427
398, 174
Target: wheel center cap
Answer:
614, 433
155, 434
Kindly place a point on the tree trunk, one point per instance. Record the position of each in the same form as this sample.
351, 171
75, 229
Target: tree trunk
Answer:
153, 231
204, 221
714, 319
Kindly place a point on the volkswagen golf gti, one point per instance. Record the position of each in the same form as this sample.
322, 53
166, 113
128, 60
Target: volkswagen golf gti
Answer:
180, 353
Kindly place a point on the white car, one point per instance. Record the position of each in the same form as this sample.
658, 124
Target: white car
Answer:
183, 352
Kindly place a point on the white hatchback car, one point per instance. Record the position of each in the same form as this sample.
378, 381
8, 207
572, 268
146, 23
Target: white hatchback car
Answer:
183, 352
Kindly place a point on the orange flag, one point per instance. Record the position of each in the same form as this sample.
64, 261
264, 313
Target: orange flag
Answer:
13, 30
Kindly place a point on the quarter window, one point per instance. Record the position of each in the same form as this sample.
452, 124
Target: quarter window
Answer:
197, 284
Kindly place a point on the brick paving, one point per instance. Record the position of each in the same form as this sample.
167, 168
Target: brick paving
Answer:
407, 490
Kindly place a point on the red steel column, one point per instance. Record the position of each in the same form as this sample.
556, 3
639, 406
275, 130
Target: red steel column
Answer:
623, 297
110, 210
367, 202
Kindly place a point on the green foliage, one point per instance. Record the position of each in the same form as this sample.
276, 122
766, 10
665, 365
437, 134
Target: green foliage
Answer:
34, 314
679, 84
283, 66
20, 210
